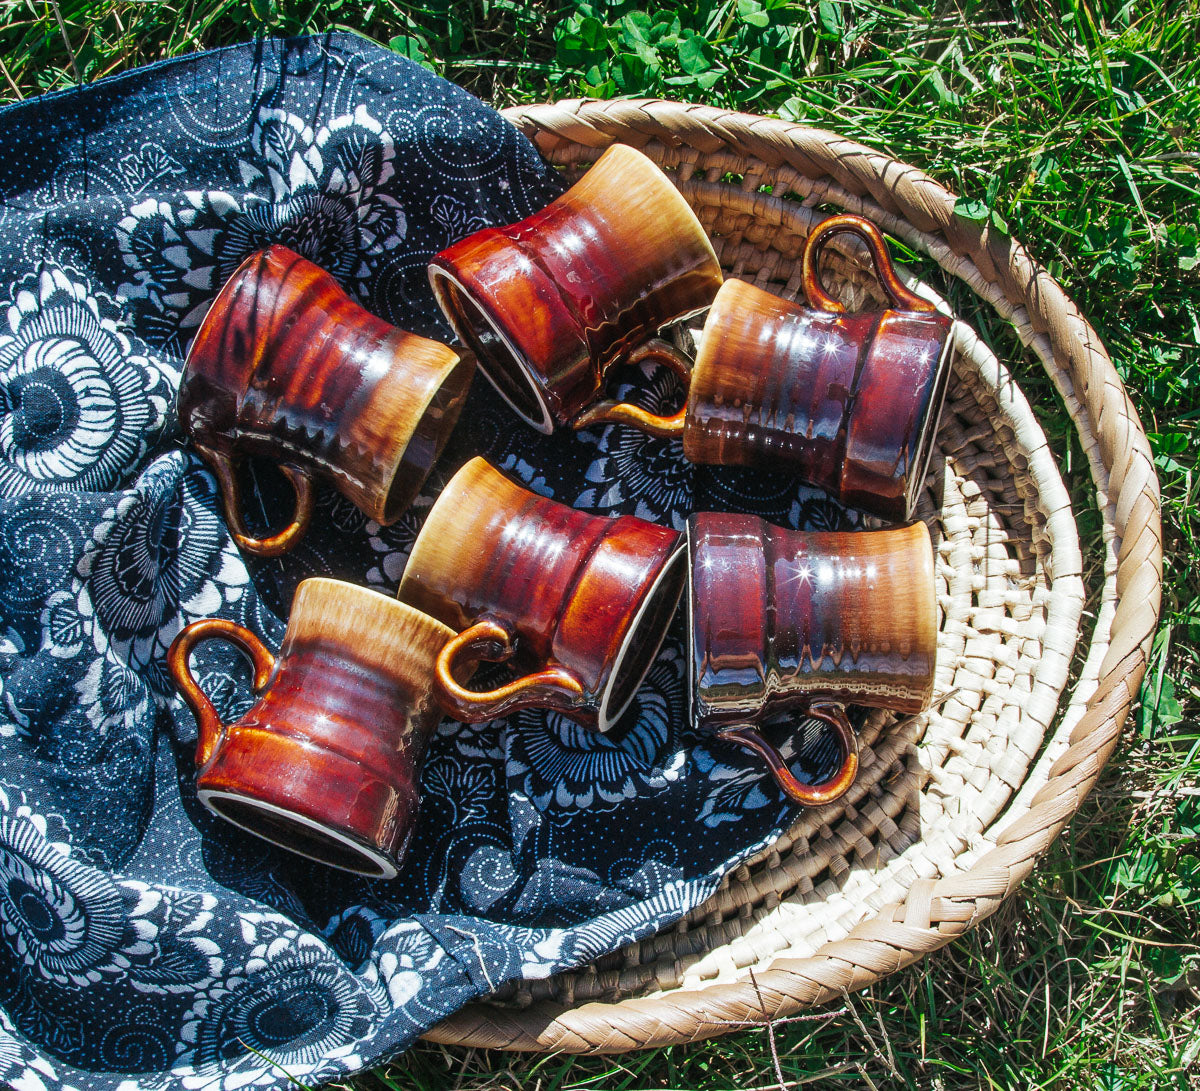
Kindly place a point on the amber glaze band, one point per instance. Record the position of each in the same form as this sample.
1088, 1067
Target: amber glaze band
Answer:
582, 601
549, 304
847, 402
327, 763
287, 367
785, 619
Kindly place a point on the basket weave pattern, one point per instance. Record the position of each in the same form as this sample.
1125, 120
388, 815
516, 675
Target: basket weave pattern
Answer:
951, 808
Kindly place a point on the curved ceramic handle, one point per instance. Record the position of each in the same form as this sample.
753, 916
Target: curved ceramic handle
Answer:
208, 723
613, 412
225, 469
553, 688
847, 223
807, 795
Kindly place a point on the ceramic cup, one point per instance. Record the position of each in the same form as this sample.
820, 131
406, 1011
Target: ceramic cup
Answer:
807, 620
550, 304
287, 367
581, 602
327, 763
847, 402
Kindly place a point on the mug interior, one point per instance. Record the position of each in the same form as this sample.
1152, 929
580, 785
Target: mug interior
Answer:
923, 453
494, 351
299, 834
690, 629
643, 639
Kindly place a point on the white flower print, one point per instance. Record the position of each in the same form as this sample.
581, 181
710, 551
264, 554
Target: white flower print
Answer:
394, 543
529, 475
81, 397
21, 1068
321, 194
75, 925
731, 791
159, 559
65, 921
613, 930
64, 629
292, 1001
456, 220
541, 958
111, 694
563, 768
636, 474
411, 955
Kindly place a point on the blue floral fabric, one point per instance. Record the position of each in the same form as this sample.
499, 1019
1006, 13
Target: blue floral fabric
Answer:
143, 942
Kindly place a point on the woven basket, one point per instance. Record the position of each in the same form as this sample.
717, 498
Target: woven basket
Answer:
951, 808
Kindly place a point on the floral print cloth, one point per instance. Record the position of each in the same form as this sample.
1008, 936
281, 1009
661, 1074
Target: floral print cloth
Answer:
143, 942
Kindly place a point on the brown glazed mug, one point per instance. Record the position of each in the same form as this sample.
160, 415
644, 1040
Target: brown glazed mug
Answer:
550, 304
287, 367
807, 620
327, 763
847, 402
581, 602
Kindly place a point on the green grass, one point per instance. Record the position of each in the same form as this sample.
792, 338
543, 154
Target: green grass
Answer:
1075, 127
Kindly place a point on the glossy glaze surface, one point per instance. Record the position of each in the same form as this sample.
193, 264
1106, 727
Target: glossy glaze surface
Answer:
327, 762
847, 402
782, 618
286, 366
549, 304
581, 600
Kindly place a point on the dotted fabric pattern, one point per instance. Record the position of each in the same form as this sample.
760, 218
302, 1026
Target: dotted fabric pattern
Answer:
143, 942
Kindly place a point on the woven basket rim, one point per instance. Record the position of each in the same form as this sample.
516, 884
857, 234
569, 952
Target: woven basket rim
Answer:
934, 911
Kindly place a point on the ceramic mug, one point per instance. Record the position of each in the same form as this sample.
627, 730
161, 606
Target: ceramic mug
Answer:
847, 402
581, 602
287, 367
327, 763
807, 620
550, 304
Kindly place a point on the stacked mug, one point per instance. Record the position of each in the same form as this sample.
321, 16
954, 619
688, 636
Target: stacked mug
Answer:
287, 367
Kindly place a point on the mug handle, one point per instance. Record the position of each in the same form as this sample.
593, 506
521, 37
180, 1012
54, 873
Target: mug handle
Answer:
807, 795
493, 640
209, 725
847, 223
614, 412
225, 469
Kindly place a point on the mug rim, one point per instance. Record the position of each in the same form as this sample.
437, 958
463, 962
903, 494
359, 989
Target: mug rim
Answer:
438, 273
931, 415
693, 697
607, 719
383, 867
